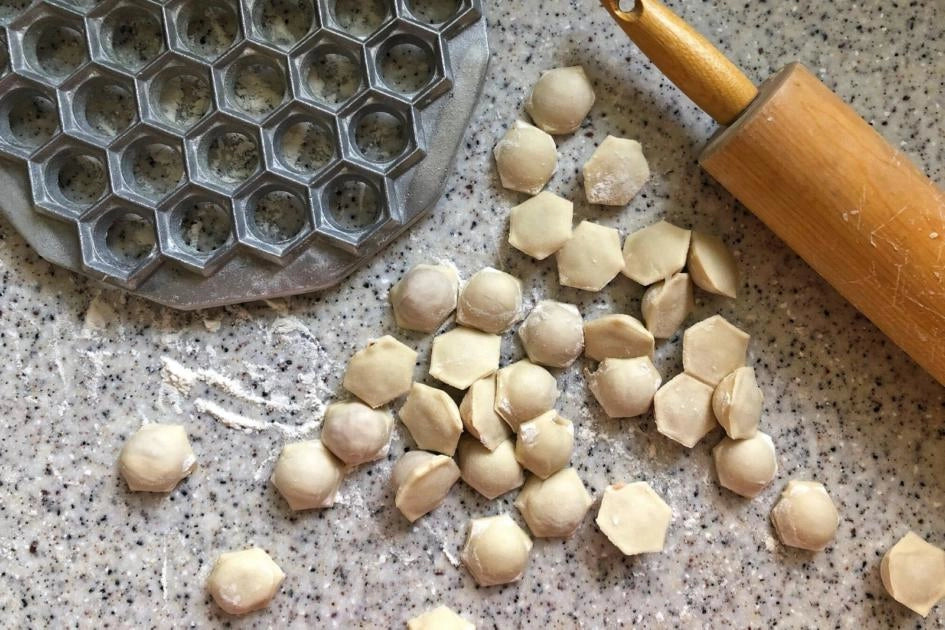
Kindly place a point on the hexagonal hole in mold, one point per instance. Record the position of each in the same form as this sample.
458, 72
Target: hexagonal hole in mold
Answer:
254, 85
360, 18
102, 106
274, 219
282, 23
204, 29
130, 35
151, 167
179, 96
130, 239
28, 116
49, 47
203, 225
67, 179
278, 216
434, 12
354, 202
381, 134
303, 143
330, 72
406, 63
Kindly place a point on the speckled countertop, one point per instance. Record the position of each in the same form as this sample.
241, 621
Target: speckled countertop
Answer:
83, 368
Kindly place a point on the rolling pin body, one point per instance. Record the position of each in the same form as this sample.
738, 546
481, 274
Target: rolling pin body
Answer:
851, 205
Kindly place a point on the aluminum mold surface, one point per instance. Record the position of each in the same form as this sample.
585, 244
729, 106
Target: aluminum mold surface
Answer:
200, 121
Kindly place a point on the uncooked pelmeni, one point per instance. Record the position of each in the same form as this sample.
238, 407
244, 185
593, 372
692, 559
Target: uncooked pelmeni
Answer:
561, 99
913, 572
655, 253
421, 482
432, 418
616, 172
477, 411
462, 356
490, 473
156, 458
591, 258
556, 506
746, 466
307, 475
805, 516
617, 336
440, 618
634, 518
356, 433
625, 387
712, 265
496, 550
667, 304
544, 445
540, 226
524, 391
713, 349
683, 410
553, 334
380, 372
526, 158
243, 581
424, 297
737, 403
491, 301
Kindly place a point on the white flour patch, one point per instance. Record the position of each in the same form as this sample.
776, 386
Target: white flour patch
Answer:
249, 425
183, 378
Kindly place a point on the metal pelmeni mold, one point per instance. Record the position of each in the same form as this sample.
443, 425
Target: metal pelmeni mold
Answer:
205, 153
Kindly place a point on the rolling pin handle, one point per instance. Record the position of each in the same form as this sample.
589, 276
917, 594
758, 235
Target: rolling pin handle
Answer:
687, 58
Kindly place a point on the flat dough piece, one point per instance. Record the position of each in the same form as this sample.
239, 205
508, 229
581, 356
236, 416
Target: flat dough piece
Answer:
380, 372
634, 518
712, 265
616, 172
683, 410
617, 336
462, 356
541, 226
591, 258
667, 304
713, 349
655, 253
432, 418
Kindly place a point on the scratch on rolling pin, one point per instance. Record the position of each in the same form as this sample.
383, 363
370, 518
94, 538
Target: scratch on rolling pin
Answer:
885, 223
248, 425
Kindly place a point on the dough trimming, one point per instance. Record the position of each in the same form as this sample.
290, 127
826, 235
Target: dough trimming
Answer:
490, 473
526, 158
540, 226
625, 387
553, 334
616, 172
380, 372
355, 433
424, 297
556, 506
308, 475
432, 418
561, 100
524, 391
421, 482
491, 301
544, 445
591, 258
156, 458
243, 581
496, 550
746, 466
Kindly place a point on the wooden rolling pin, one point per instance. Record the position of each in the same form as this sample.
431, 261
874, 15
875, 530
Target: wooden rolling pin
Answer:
854, 207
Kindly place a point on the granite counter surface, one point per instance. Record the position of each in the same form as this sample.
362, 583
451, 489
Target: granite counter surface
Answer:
84, 367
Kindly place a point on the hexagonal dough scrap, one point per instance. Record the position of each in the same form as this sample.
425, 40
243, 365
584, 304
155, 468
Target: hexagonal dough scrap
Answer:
380, 372
634, 518
713, 349
617, 336
591, 258
462, 356
432, 418
616, 172
541, 226
655, 253
683, 410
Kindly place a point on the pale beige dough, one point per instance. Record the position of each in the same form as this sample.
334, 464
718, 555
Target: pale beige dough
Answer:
655, 253
712, 265
561, 100
432, 418
617, 336
746, 466
553, 334
524, 391
556, 506
440, 618
683, 410
667, 304
421, 482
496, 550
308, 475
625, 387
737, 403
490, 473
424, 297
463, 355
156, 458
913, 572
591, 258
616, 172
634, 518
805, 516
526, 158
541, 226
380, 372
491, 301
243, 581
713, 349
544, 445
355, 433
477, 410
